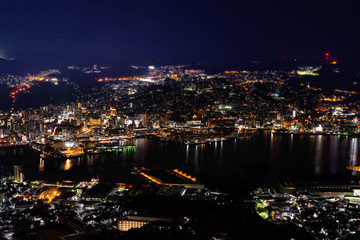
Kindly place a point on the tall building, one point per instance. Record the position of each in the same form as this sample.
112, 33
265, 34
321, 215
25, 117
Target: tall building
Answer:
145, 119
18, 174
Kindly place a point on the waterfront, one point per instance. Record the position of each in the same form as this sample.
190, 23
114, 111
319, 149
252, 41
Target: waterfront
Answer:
263, 157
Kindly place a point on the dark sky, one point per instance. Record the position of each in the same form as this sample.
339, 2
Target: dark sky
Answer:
220, 30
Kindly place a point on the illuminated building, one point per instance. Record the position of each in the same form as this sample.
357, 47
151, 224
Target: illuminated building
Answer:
2, 123
95, 121
175, 77
145, 119
308, 71
113, 112
49, 194
18, 174
231, 72
319, 129
130, 222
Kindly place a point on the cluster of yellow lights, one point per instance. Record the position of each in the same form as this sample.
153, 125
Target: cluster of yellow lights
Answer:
8, 141
344, 91
113, 79
246, 88
37, 78
333, 99
67, 181
73, 152
193, 71
354, 168
19, 89
51, 195
127, 225
84, 130
151, 178
24, 86
185, 175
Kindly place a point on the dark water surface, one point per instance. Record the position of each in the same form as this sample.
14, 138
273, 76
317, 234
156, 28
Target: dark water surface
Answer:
263, 157
37, 96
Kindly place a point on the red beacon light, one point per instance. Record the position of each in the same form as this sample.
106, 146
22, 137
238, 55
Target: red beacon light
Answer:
327, 55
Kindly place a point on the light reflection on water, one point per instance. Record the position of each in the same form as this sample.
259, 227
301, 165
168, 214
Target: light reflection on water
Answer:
187, 154
318, 154
332, 154
41, 165
265, 155
196, 158
353, 152
67, 165
282, 155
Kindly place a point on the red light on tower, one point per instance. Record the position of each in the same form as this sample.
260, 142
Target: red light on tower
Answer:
327, 55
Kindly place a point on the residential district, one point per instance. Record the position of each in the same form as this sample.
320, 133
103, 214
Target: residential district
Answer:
158, 202
171, 204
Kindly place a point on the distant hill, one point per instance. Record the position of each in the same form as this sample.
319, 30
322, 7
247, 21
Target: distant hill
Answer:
61, 60
31, 62
16, 67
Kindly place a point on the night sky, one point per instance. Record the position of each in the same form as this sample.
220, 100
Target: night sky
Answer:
223, 31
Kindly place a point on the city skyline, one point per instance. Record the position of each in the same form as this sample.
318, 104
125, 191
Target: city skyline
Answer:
179, 120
